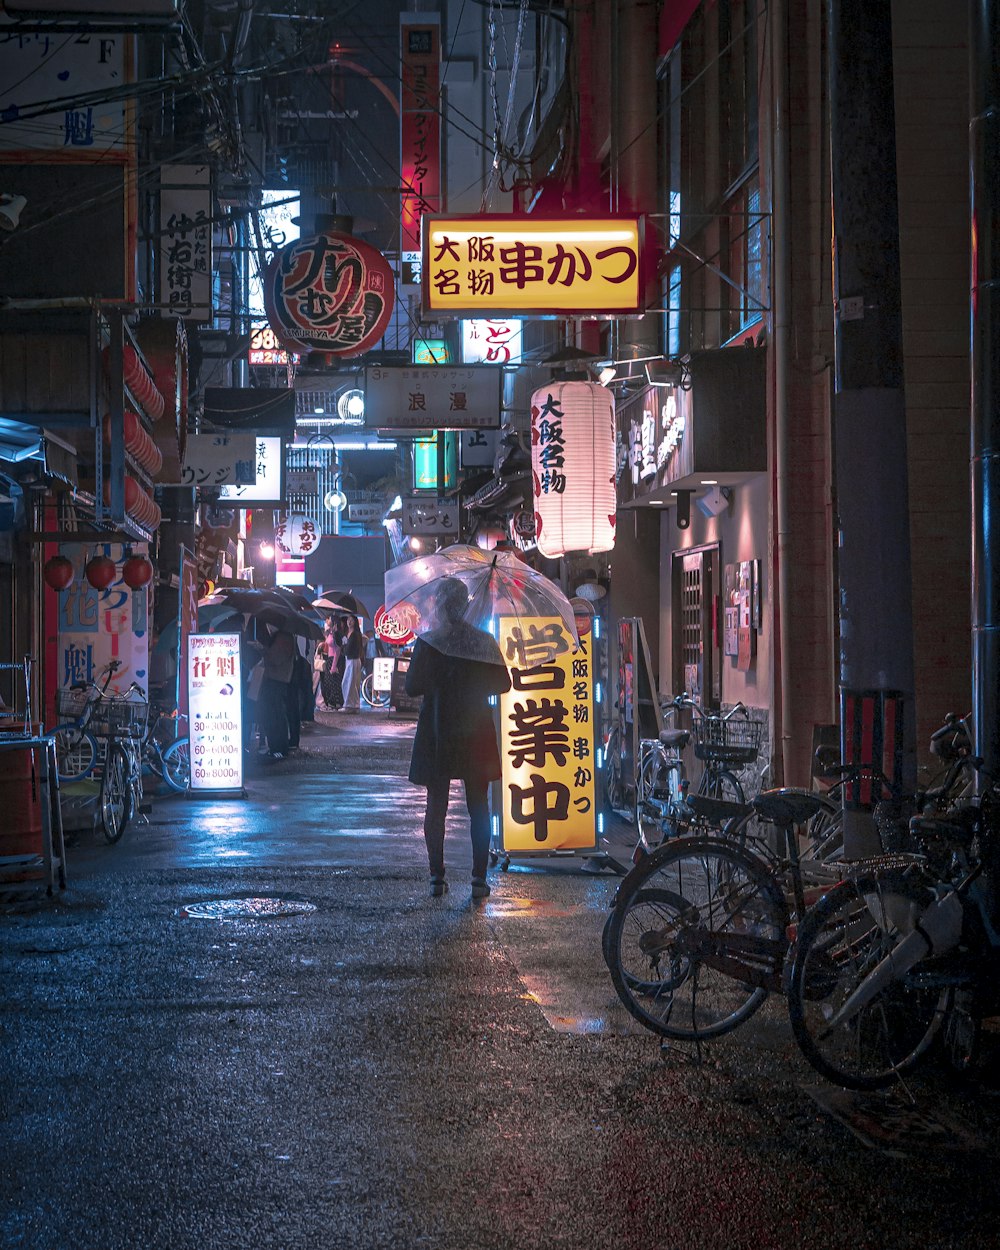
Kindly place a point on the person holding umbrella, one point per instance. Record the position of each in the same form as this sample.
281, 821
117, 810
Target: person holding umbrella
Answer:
456, 668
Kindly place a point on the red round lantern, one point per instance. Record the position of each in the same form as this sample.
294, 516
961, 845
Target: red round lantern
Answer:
100, 572
137, 572
58, 572
345, 277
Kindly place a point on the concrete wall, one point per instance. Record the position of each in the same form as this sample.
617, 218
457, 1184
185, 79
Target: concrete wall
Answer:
930, 49
742, 533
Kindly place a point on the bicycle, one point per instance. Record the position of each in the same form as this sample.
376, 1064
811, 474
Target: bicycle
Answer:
701, 929
904, 948
664, 806
372, 697
77, 750
125, 719
171, 762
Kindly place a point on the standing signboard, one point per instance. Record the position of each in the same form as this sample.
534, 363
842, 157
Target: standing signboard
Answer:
215, 703
546, 801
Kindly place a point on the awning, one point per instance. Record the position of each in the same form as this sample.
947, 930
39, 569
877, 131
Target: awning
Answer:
21, 441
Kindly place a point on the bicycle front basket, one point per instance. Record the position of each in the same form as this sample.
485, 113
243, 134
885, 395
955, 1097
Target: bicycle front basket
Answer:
126, 716
733, 741
71, 703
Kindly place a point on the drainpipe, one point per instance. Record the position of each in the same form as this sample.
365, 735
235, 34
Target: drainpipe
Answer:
984, 160
789, 727
869, 413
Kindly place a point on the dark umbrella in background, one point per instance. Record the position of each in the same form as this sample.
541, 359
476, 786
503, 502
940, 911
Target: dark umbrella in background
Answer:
339, 602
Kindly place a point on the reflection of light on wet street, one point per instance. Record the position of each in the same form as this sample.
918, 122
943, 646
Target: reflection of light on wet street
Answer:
230, 853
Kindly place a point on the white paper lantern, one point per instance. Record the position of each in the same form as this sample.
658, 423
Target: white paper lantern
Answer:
298, 535
573, 468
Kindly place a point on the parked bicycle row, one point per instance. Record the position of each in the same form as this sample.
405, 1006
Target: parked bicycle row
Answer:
116, 739
731, 900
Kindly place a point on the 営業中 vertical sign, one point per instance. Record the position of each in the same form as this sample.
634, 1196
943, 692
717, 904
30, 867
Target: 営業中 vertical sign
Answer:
548, 787
215, 711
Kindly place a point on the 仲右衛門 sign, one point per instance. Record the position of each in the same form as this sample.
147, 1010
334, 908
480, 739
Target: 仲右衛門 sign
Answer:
215, 711
548, 790
495, 265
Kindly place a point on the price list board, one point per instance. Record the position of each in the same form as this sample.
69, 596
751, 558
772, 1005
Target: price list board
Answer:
215, 709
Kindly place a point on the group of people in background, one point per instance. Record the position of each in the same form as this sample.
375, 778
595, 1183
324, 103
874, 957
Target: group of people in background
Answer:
287, 678
338, 665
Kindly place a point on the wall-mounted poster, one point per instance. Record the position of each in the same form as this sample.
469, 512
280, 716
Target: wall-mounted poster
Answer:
746, 637
731, 611
756, 603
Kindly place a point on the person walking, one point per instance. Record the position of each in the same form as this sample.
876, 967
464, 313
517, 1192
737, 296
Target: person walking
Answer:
274, 703
455, 737
353, 646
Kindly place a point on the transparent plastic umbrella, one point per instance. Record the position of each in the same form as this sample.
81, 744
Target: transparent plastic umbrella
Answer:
497, 583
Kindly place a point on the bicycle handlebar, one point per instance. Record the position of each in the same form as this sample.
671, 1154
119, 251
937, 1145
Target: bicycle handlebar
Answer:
684, 700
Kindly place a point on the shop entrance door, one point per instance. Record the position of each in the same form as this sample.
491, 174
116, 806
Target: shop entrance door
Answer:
697, 658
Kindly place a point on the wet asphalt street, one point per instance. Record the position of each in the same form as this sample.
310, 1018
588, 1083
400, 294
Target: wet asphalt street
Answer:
392, 1070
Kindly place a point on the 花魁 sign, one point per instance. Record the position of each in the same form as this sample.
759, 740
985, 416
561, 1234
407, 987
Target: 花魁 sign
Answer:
215, 711
493, 265
547, 796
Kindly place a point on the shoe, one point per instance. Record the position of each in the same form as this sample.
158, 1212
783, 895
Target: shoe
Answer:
438, 887
480, 889
271, 757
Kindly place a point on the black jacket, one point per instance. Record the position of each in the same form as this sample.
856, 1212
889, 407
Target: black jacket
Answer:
455, 735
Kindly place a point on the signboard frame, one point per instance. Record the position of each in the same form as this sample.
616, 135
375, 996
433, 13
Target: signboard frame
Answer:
393, 402
224, 651
552, 271
551, 709
229, 499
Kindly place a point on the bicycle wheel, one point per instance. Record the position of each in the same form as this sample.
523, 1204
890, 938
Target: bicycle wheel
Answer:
721, 784
842, 939
176, 761
614, 793
696, 938
116, 792
76, 754
369, 695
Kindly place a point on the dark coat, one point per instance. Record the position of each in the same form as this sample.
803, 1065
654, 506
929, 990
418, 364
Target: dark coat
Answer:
455, 735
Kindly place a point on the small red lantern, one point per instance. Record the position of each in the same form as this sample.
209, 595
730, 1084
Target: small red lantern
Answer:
137, 572
100, 572
58, 573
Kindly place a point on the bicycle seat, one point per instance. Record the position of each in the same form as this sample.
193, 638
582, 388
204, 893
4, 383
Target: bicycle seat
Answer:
675, 738
787, 807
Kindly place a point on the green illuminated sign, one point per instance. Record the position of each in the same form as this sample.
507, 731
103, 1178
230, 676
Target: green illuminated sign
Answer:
431, 352
425, 461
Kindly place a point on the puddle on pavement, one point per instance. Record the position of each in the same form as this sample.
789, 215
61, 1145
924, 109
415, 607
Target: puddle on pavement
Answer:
246, 909
509, 905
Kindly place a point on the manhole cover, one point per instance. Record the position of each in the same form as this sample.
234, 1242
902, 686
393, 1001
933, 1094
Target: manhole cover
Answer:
245, 909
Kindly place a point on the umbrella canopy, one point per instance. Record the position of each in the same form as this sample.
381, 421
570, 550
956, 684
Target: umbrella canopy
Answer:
342, 601
280, 616
495, 583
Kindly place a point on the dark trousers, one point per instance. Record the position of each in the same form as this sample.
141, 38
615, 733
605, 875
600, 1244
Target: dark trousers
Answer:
293, 712
272, 710
477, 801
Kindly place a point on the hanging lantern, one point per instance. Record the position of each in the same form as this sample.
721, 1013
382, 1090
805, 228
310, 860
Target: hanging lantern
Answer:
137, 572
100, 572
58, 572
573, 468
297, 535
329, 292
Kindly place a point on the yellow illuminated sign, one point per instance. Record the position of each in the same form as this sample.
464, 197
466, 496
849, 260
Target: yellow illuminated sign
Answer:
548, 785
492, 264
